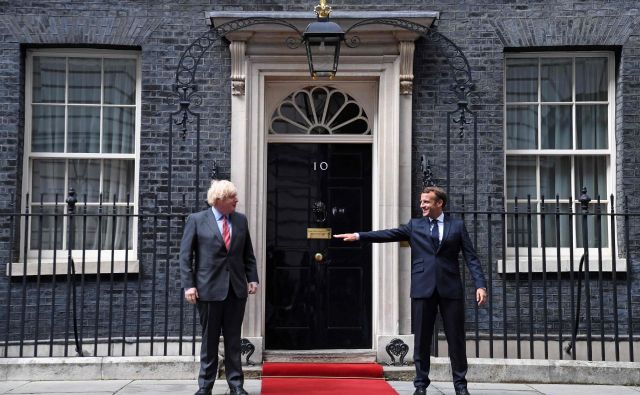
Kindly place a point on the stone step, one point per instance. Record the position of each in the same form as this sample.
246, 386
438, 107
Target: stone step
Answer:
334, 356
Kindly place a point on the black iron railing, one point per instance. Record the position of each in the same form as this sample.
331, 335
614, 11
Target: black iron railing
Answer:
562, 280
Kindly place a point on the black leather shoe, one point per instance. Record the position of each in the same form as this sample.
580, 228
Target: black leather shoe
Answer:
203, 391
420, 391
238, 391
462, 391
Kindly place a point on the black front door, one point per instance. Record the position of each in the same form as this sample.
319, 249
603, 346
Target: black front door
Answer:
318, 290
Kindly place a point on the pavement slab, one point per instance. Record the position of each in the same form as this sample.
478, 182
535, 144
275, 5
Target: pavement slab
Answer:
70, 387
6, 386
188, 387
181, 387
144, 387
571, 389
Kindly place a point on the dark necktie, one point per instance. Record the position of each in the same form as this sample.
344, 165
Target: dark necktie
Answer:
435, 232
226, 235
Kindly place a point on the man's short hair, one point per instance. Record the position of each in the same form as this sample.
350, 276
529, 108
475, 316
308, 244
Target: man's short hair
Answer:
439, 192
219, 190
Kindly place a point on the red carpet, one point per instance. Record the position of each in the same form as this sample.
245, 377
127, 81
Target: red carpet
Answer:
324, 378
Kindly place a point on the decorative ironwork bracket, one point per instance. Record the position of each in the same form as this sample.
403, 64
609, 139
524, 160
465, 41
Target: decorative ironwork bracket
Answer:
214, 171
246, 347
461, 70
185, 86
427, 174
398, 348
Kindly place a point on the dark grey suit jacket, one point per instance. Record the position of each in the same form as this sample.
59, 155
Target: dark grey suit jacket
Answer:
215, 269
435, 268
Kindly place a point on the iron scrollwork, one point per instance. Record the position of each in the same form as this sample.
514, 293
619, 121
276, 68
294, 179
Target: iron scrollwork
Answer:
398, 348
214, 171
427, 173
461, 70
185, 86
246, 347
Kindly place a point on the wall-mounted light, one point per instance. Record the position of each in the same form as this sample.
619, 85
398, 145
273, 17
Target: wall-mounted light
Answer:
322, 40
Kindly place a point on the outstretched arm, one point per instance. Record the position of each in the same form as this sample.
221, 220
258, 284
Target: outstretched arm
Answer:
401, 233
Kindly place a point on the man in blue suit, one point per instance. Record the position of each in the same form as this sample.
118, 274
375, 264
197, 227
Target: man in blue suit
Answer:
436, 241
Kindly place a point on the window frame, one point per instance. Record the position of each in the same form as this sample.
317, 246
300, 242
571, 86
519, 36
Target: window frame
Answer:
47, 255
609, 153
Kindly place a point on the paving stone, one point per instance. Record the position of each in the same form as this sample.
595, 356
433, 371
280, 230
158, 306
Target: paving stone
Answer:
70, 387
552, 389
6, 386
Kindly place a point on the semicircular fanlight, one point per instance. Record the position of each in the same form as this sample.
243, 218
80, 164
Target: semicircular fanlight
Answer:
319, 110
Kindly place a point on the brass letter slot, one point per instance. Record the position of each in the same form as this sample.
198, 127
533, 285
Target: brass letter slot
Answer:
319, 233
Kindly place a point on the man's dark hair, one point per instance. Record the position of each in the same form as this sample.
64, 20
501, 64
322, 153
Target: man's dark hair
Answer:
440, 193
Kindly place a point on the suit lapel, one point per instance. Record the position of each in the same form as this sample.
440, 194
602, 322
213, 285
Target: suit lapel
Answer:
447, 227
235, 227
426, 228
211, 220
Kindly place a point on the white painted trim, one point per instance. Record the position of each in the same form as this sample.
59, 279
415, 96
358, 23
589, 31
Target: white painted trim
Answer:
609, 153
346, 139
28, 156
248, 172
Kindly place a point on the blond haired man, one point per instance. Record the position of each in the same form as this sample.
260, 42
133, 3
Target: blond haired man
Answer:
219, 281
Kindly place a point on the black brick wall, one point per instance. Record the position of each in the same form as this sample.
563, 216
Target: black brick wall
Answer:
162, 30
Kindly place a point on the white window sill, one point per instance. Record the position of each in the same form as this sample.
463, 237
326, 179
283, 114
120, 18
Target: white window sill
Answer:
90, 267
552, 264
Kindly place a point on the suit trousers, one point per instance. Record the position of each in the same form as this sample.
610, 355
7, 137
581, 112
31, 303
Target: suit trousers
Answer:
227, 316
424, 312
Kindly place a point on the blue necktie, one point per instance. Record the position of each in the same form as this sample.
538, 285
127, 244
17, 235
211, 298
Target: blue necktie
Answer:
435, 233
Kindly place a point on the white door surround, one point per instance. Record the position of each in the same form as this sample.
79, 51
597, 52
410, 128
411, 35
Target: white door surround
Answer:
382, 68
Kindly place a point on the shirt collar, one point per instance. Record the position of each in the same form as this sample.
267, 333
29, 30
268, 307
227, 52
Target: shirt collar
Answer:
217, 214
440, 218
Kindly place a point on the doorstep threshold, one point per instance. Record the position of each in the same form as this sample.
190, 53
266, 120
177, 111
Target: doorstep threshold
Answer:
325, 355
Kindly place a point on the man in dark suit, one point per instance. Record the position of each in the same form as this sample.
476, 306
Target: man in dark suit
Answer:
436, 241
223, 273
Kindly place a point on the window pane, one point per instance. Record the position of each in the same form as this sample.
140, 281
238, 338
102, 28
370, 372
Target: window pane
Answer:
591, 124
556, 127
48, 180
522, 80
47, 129
555, 79
555, 177
521, 177
522, 125
118, 130
118, 180
84, 80
522, 226
83, 129
48, 79
114, 228
86, 228
591, 173
84, 177
46, 228
119, 81
595, 220
591, 79
282, 126
556, 225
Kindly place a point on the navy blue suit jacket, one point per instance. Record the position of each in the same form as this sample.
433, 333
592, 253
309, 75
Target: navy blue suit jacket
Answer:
433, 268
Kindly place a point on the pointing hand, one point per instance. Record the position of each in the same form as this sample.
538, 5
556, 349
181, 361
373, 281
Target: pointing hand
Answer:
347, 236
